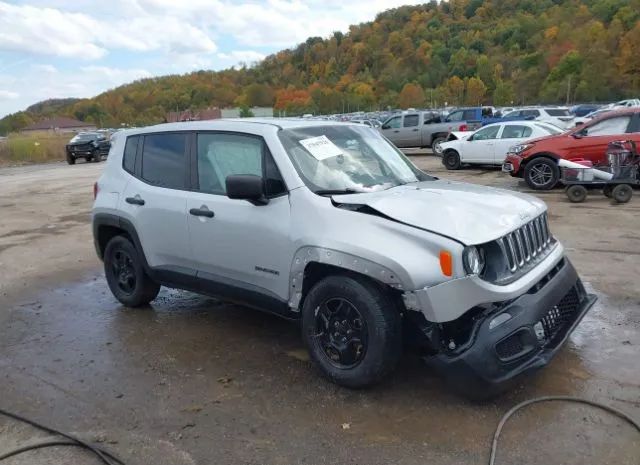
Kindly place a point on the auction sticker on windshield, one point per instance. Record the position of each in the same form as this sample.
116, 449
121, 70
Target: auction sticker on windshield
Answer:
321, 147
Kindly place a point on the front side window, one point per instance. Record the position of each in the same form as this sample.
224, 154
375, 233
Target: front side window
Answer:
515, 132
163, 160
393, 123
490, 132
410, 121
221, 155
342, 158
455, 116
609, 127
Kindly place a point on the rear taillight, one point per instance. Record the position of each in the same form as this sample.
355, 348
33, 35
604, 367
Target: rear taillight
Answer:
463, 127
95, 190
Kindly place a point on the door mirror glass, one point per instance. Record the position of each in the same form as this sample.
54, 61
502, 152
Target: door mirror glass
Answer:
246, 187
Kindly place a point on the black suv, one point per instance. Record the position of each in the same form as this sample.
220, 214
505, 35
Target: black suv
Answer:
91, 146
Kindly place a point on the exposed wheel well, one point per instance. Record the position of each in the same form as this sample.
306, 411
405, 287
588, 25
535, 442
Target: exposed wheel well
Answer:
316, 271
105, 233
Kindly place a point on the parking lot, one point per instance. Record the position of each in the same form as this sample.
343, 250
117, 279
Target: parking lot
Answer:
193, 380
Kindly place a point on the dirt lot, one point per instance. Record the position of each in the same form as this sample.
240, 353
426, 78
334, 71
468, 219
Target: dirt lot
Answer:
192, 380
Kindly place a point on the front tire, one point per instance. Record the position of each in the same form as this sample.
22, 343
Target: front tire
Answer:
71, 159
352, 329
451, 160
541, 174
125, 274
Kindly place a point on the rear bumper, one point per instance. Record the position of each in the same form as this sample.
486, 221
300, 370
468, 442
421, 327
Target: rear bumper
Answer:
538, 324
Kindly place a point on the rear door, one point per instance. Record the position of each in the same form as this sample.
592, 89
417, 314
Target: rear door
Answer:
155, 197
593, 139
410, 131
238, 244
512, 134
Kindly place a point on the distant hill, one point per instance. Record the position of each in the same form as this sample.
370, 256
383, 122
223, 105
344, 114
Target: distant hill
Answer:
51, 106
458, 52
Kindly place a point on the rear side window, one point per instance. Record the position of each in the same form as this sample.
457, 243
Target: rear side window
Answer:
469, 115
163, 160
410, 121
129, 157
534, 113
515, 132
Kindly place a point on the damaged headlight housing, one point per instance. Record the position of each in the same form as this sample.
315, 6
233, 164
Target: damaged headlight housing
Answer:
473, 260
517, 149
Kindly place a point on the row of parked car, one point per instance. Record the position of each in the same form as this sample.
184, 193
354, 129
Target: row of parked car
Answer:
531, 149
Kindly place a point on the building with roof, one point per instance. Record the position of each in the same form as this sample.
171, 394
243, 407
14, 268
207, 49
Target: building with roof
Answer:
60, 124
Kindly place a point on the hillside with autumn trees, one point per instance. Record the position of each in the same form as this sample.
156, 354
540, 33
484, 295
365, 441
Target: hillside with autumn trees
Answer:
461, 52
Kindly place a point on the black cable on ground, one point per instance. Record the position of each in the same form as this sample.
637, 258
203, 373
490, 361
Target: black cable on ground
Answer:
618, 413
105, 457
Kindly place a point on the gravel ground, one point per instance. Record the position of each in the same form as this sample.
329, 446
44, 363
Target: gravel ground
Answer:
193, 380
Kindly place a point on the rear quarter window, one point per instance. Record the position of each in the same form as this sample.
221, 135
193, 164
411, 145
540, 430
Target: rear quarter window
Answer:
129, 157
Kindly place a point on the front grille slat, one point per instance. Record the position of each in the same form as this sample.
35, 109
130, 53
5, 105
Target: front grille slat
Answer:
529, 243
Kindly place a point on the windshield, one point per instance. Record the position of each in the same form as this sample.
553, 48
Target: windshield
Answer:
551, 129
83, 137
557, 112
347, 158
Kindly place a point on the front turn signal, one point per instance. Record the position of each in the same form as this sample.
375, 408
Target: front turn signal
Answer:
446, 263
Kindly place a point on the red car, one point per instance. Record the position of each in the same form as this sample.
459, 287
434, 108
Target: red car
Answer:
536, 160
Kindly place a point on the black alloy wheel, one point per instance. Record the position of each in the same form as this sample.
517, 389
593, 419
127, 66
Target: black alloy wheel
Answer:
124, 271
541, 173
341, 333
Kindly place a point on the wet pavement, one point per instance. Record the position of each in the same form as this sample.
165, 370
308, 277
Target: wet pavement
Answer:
193, 380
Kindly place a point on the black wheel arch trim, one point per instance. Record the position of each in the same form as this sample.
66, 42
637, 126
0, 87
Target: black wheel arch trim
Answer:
193, 280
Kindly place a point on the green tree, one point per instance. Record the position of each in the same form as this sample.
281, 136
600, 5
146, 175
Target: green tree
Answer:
411, 96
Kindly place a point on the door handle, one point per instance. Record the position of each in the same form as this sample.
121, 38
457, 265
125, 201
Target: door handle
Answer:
202, 211
135, 200
396, 131
415, 130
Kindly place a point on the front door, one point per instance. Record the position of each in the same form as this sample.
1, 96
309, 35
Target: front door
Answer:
480, 146
235, 242
592, 144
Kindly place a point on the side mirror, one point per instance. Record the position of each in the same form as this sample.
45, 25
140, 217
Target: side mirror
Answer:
385, 126
580, 134
246, 187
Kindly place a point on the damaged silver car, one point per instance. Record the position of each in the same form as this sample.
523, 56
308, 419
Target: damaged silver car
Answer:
331, 225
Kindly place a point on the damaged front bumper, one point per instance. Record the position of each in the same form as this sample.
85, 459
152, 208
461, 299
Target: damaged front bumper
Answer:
520, 337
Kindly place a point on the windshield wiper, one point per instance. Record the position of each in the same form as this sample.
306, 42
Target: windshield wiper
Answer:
347, 190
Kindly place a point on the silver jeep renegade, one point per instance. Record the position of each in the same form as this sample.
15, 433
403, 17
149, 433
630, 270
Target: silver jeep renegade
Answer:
331, 225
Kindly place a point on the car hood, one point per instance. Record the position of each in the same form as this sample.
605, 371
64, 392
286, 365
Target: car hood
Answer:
468, 213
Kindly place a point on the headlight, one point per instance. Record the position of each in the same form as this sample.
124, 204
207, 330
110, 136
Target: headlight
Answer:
520, 148
473, 260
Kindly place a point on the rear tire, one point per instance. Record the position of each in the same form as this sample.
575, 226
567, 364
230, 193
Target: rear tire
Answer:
352, 329
70, 159
451, 160
577, 193
125, 274
541, 174
436, 145
622, 193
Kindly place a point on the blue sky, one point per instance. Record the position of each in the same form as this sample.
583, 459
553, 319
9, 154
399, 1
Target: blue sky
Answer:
80, 48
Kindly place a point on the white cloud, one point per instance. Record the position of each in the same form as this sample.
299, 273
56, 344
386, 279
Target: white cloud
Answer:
8, 95
242, 56
158, 36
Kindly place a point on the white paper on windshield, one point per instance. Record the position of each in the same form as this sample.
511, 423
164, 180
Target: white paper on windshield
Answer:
321, 147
